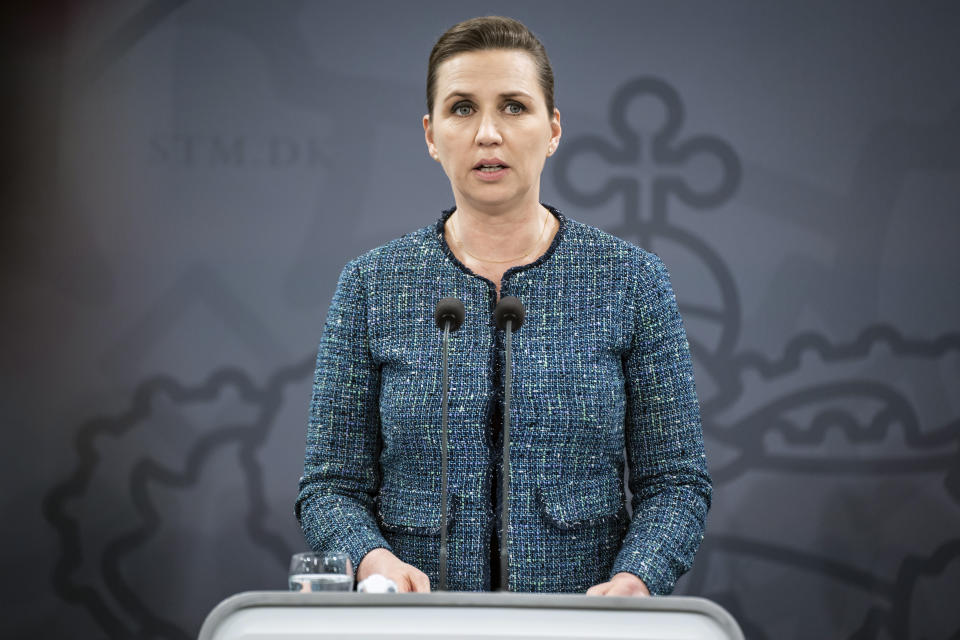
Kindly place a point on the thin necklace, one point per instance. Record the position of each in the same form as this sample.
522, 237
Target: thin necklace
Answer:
456, 239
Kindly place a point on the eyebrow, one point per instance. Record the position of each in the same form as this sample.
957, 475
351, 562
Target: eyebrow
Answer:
509, 94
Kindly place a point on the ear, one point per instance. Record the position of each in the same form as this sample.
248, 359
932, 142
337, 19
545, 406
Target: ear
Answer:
428, 136
555, 130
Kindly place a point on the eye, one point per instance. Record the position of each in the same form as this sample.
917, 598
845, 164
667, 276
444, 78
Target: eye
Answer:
515, 108
462, 109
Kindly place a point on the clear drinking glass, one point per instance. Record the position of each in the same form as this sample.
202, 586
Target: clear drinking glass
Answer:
311, 572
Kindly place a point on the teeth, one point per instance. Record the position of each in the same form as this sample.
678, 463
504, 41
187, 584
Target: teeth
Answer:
491, 167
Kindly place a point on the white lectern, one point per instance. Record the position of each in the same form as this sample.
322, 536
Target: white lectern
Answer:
258, 615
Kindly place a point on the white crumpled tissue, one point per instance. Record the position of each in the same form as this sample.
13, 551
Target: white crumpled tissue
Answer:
377, 584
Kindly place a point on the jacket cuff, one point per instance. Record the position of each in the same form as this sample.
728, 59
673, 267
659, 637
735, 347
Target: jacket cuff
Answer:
654, 570
359, 553
355, 534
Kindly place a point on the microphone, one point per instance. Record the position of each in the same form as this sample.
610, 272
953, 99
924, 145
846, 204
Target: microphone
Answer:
509, 314
449, 310
448, 315
509, 310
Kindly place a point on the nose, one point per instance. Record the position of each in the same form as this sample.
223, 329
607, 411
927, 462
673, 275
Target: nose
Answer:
488, 132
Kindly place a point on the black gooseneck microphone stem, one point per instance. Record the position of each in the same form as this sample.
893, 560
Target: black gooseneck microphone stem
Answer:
443, 461
449, 315
509, 314
505, 515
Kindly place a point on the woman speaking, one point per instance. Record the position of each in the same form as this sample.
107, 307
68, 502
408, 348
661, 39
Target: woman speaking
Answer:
600, 366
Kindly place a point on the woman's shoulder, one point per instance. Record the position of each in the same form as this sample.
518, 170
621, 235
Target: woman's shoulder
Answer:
604, 248
628, 268
414, 246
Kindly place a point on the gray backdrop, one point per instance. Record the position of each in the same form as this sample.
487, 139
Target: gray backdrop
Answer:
188, 178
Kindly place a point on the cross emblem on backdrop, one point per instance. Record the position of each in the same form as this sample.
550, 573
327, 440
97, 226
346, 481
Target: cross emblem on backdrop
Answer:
645, 172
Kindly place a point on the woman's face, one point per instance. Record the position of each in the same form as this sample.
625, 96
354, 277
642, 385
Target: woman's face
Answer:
490, 128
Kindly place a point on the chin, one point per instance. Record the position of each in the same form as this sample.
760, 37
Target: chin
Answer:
494, 203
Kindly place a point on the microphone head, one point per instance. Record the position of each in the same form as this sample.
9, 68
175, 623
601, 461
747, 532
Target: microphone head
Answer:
449, 309
509, 308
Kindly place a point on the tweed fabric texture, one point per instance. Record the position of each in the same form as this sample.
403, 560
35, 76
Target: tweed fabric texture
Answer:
600, 366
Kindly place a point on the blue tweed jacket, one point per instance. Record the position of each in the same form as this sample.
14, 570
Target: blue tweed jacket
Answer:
601, 365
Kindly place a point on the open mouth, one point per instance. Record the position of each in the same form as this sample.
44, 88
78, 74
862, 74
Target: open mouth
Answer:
490, 166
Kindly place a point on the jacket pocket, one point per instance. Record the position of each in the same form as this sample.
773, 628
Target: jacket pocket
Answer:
412, 511
582, 503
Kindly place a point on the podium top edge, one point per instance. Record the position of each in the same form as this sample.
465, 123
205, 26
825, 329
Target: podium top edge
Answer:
672, 604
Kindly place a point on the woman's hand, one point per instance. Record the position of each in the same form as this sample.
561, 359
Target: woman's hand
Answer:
621, 584
407, 576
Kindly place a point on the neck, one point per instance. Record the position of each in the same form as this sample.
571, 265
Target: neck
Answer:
501, 235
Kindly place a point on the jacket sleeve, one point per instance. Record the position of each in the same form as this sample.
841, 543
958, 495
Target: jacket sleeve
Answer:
336, 500
669, 480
